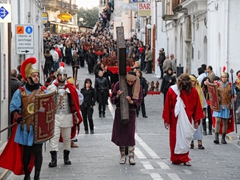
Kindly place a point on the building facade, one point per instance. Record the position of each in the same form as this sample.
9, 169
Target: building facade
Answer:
54, 8
202, 32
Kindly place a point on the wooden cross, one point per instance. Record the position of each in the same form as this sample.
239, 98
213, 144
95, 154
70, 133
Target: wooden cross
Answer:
121, 46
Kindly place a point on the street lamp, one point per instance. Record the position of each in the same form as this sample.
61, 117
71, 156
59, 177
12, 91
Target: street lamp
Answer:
149, 26
81, 21
149, 34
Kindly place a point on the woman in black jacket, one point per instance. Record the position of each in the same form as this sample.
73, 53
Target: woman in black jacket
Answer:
169, 79
143, 83
102, 89
48, 62
87, 106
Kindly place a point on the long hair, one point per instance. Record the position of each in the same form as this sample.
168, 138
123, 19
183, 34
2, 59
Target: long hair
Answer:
86, 81
184, 83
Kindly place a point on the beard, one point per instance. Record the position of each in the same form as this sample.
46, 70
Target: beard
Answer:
32, 82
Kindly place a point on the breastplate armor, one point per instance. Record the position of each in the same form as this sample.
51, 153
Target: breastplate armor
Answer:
64, 107
225, 95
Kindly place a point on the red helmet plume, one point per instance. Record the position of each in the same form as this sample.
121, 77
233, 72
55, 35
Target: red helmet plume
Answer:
26, 67
224, 69
62, 64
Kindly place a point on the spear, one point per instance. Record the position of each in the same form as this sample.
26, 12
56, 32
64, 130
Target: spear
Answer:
234, 112
42, 109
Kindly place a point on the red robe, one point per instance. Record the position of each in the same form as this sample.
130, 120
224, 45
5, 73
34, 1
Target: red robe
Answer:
11, 157
193, 110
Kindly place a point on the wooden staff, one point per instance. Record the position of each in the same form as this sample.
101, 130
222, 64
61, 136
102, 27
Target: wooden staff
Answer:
42, 109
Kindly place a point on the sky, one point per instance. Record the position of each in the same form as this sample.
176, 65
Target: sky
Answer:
87, 3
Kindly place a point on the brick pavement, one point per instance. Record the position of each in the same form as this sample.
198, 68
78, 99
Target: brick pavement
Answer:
98, 158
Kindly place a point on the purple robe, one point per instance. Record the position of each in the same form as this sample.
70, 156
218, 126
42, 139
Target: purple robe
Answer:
124, 134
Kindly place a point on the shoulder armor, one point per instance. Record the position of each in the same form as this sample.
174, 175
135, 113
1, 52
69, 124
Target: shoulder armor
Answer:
52, 87
22, 90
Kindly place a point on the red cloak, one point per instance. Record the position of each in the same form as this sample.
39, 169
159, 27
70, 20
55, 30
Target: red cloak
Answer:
230, 123
11, 157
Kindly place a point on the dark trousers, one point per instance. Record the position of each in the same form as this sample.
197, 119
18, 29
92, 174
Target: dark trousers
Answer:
87, 113
74, 72
149, 67
161, 70
204, 124
81, 61
36, 149
102, 101
142, 108
68, 60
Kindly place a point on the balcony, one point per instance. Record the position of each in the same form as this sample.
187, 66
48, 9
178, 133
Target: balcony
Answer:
195, 6
49, 5
74, 9
177, 7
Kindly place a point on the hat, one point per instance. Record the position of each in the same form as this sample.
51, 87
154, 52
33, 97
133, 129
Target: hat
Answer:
26, 67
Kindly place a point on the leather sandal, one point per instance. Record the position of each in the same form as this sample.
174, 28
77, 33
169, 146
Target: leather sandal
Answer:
187, 164
131, 161
122, 160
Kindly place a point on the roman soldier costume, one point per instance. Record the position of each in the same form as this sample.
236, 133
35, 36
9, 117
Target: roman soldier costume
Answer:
225, 93
27, 152
67, 115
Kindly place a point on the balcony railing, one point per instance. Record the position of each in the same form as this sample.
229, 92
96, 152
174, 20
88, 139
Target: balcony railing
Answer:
49, 5
74, 9
195, 6
177, 7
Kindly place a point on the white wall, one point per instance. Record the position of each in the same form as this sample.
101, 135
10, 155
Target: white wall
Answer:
4, 81
233, 35
30, 13
161, 36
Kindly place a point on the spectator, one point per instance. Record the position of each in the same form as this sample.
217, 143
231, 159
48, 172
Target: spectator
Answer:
15, 83
210, 73
101, 88
201, 74
144, 85
168, 80
174, 63
148, 60
87, 106
48, 62
209, 113
161, 61
167, 64
55, 57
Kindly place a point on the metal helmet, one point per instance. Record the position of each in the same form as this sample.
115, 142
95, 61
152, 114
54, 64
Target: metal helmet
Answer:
26, 67
61, 70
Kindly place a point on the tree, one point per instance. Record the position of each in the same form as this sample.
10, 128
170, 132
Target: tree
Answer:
87, 17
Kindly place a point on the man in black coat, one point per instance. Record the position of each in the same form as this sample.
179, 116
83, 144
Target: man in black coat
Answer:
15, 83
